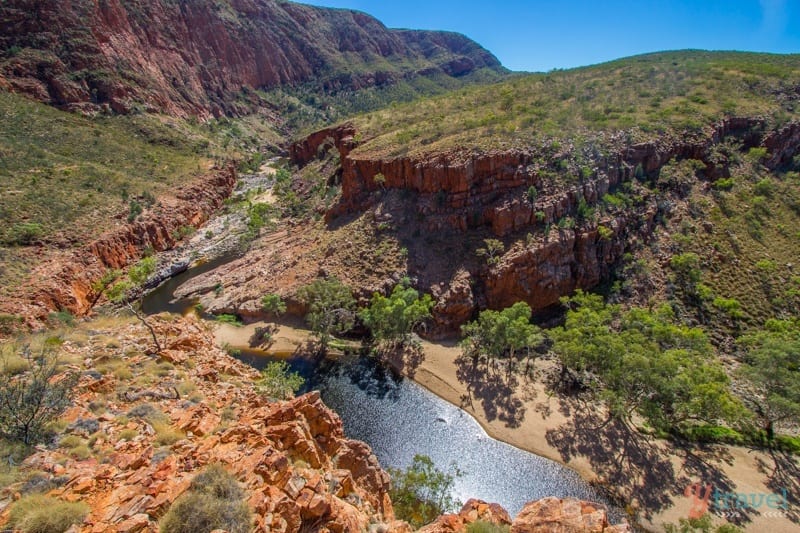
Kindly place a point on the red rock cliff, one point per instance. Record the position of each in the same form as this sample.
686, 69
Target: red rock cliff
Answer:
66, 283
197, 58
466, 191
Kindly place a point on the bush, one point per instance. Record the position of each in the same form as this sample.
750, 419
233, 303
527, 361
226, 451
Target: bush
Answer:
214, 501
277, 381
487, 527
43, 514
24, 233
422, 492
228, 319
273, 304
31, 400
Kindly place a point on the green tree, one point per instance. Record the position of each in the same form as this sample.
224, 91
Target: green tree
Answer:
392, 319
644, 362
687, 272
121, 291
273, 304
492, 251
771, 372
501, 334
30, 400
700, 525
531, 194
278, 381
331, 308
422, 492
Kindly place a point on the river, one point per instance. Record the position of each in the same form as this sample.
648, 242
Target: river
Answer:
400, 419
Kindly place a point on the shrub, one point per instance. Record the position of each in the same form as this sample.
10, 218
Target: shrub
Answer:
487, 527
30, 401
605, 233
24, 233
422, 492
228, 319
273, 304
492, 251
764, 188
724, 184
214, 501
166, 435
9, 323
277, 381
43, 514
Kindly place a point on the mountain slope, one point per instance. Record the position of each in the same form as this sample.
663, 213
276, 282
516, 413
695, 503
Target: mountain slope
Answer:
203, 57
589, 176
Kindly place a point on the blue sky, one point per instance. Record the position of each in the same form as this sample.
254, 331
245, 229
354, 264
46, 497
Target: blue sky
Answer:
538, 35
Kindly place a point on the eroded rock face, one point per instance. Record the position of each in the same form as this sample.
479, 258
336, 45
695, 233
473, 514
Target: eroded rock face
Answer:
464, 193
65, 283
553, 515
291, 457
195, 58
550, 515
473, 511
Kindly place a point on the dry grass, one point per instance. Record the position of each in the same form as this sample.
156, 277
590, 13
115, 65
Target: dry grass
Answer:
645, 95
43, 514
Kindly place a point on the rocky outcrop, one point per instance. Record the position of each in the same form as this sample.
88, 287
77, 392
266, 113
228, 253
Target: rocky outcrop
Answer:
143, 441
550, 515
460, 192
553, 515
342, 138
65, 283
205, 57
292, 457
566, 260
473, 511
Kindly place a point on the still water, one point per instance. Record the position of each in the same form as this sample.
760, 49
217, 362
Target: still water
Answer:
399, 419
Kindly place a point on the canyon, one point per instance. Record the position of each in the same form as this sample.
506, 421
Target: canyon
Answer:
64, 281
206, 59
416, 158
292, 458
466, 196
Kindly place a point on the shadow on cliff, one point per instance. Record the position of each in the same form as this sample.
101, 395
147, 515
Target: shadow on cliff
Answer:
496, 391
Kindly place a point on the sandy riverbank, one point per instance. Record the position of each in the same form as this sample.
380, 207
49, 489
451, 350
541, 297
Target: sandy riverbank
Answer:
651, 474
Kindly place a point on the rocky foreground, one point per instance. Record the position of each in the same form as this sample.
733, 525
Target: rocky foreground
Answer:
142, 427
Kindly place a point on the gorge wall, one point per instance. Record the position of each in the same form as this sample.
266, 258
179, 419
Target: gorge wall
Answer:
297, 469
204, 57
462, 192
65, 282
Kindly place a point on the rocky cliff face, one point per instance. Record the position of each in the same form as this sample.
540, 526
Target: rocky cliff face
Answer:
65, 282
203, 57
549, 515
144, 440
292, 457
463, 193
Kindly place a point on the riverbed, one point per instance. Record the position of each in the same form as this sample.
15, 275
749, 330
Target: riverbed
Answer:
399, 418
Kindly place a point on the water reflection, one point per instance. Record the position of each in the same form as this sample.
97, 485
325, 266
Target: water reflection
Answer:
399, 419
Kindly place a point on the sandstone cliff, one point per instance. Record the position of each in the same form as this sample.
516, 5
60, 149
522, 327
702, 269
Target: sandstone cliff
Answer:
466, 193
292, 457
204, 57
64, 282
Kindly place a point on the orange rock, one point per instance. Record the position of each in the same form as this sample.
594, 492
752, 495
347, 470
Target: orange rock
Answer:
553, 515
